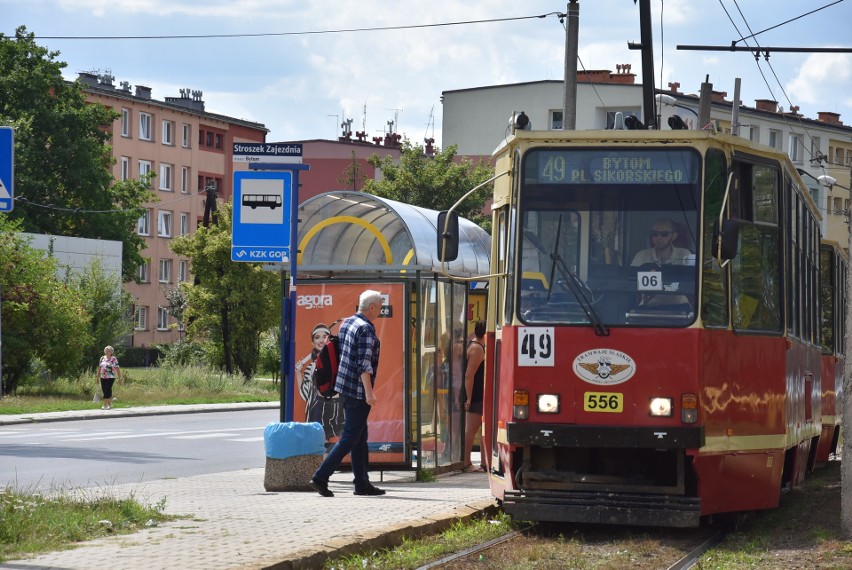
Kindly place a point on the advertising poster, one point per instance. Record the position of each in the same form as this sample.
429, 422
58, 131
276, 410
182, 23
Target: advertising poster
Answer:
320, 308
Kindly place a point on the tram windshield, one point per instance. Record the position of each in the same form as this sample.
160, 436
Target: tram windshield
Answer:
608, 237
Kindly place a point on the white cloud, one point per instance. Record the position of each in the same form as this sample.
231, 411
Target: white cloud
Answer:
818, 72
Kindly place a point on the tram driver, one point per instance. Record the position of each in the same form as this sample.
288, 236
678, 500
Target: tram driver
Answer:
663, 251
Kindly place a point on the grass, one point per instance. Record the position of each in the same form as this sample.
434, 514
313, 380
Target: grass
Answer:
806, 525
31, 524
141, 387
415, 553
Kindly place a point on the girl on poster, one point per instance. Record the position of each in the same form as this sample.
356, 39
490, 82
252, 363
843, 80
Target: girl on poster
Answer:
327, 412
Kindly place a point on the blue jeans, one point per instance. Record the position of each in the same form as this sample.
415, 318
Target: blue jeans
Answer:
353, 441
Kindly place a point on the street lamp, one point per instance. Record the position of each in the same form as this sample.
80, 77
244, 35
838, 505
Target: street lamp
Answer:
675, 122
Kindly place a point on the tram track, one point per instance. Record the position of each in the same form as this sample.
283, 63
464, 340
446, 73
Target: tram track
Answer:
691, 558
480, 552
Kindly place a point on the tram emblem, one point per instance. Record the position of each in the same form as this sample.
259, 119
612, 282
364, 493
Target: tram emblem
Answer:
604, 367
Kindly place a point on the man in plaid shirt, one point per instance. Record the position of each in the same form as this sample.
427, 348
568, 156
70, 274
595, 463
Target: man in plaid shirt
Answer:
359, 360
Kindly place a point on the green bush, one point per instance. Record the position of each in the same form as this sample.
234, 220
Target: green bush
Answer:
135, 356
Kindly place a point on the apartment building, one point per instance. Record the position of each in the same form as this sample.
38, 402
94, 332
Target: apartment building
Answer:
476, 119
189, 150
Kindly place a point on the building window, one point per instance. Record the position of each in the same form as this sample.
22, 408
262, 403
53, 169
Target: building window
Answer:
187, 133
143, 226
183, 270
796, 148
219, 144
168, 133
166, 177
555, 120
141, 318
125, 168
125, 122
144, 275
162, 319
754, 134
145, 127
816, 153
145, 167
165, 271
208, 138
164, 224
184, 223
184, 179
775, 137
838, 206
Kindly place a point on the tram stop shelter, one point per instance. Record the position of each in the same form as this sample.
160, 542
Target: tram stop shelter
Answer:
349, 242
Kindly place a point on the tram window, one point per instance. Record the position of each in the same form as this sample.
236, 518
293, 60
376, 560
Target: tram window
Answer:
756, 272
714, 302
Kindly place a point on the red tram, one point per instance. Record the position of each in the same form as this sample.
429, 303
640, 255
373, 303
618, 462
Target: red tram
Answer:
657, 352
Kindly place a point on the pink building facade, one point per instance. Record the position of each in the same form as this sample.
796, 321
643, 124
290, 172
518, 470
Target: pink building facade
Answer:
188, 150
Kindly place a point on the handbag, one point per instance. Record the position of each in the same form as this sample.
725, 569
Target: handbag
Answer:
97, 397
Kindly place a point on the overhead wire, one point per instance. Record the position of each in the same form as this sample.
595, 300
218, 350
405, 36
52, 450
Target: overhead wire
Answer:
806, 148
302, 33
23, 199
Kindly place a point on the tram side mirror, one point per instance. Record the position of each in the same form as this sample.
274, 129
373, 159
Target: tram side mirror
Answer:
727, 240
448, 236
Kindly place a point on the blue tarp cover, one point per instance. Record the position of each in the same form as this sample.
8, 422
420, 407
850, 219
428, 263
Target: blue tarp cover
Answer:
289, 439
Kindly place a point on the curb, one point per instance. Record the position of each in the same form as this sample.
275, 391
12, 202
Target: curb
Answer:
384, 539
132, 412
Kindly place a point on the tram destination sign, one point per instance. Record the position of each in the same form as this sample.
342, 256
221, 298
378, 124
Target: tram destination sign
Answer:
277, 153
622, 166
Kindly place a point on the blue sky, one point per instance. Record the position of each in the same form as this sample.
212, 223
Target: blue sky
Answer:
302, 86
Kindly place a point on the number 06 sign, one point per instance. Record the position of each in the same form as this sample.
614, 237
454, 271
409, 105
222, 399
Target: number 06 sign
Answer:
535, 346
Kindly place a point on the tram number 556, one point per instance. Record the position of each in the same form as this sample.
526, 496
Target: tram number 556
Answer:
536, 346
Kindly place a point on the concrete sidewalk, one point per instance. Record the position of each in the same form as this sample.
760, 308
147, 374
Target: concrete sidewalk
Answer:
235, 524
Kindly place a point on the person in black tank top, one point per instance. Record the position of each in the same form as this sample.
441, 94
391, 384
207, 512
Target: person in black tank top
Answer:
474, 386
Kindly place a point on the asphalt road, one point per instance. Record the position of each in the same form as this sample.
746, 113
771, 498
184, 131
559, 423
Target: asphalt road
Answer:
85, 453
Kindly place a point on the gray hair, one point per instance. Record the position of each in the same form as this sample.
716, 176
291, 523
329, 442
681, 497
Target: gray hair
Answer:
367, 298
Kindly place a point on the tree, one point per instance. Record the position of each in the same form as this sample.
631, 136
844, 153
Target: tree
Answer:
42, 316
434, 182
109, 307
63, 178
232, 303
353, 175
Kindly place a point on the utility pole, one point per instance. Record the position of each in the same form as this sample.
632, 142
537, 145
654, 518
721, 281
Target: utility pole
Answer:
846, 400
735, 113
649, 103
572, 39
704, 100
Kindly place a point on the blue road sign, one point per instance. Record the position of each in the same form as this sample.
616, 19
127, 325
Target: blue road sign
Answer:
260, 231
7, 169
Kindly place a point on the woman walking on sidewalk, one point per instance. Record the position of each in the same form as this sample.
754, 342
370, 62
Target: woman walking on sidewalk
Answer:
108, 371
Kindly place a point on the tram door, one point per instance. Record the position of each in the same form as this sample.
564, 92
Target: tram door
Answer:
443, 333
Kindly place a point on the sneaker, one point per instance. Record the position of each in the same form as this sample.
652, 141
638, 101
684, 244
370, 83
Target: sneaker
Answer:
104, 407
321, 488
370, 491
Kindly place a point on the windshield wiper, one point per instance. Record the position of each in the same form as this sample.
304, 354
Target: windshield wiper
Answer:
575, 285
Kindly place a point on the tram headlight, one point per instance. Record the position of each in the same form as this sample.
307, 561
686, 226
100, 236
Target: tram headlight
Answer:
689, 408
521, 404
661, 407
548, 404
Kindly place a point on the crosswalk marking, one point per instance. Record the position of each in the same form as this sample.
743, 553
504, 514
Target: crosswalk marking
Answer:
68, 436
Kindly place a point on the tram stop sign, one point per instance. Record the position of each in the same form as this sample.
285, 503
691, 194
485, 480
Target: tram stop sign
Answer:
260, 231
7, 169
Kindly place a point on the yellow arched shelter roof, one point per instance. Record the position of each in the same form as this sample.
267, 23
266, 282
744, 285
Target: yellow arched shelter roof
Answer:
346, 232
